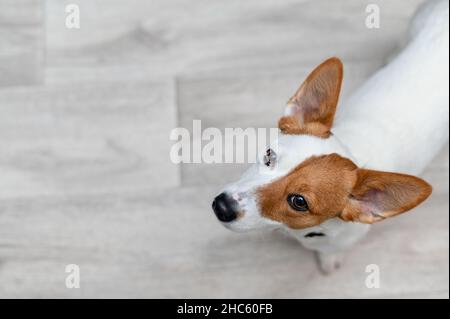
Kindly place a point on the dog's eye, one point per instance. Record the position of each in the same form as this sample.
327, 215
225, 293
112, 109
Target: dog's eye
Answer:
270, 158
297, 202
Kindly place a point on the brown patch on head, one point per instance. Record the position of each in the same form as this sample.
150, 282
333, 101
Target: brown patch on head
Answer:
312, 108
324, 181
333, 186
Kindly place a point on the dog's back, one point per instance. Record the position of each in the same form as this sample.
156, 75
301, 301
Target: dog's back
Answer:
398, 119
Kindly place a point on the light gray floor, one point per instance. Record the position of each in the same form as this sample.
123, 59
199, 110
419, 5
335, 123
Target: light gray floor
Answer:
84, 148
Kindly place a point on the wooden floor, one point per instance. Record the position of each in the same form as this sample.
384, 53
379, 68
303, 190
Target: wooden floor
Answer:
84, 149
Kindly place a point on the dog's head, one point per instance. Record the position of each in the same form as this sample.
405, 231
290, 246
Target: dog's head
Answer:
307, 175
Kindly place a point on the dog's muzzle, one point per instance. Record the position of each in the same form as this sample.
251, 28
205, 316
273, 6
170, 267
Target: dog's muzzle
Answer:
225, 208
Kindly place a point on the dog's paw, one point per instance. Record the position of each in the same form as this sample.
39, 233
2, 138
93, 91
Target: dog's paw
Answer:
329, 263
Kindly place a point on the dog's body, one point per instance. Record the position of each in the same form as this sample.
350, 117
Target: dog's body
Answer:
397, 121
323, 188
405, 103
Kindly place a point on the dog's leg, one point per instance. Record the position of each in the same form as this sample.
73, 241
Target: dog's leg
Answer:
329, 262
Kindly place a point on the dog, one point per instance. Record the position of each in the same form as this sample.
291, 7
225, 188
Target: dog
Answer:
330, 175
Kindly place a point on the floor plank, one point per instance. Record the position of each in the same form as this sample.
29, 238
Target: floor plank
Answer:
86, 138
181, 37
144, 245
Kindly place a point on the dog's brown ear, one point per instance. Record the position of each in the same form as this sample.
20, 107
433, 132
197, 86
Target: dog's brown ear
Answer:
379, 195
311, 110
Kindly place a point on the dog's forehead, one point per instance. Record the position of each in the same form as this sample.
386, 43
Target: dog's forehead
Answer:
294, 149
291, 151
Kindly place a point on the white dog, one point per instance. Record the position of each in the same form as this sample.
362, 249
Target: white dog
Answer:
327, 182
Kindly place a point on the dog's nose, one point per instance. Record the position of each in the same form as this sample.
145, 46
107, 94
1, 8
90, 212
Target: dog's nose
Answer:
225, 208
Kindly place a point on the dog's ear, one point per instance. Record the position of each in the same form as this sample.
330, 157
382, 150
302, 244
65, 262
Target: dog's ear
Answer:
379, 195
311, 110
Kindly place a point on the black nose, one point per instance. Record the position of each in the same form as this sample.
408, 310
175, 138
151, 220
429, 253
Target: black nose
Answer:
225, 208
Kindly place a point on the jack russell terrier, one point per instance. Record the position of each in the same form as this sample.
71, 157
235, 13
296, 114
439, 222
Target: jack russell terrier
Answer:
325, 180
